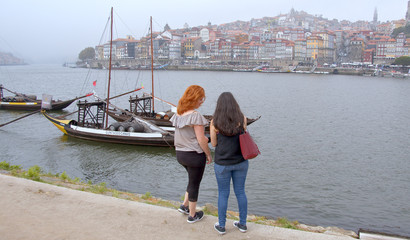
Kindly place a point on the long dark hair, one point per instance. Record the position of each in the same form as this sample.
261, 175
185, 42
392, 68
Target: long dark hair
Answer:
228, 117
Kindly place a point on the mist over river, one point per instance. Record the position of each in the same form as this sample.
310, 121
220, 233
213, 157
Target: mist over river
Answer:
335, 149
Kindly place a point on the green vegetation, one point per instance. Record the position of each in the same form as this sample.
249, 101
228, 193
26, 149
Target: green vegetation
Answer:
147, 196
35, 173
6, 166
285, 223
87, 54
403, 60
100, 188
405, 30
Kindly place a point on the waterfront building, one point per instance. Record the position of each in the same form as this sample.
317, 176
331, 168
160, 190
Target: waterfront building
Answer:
300, 50
391, 49
99, 52
356, 49
314, 46
241, 51
368, 56
381, 47
141, 48
106, 51
175, 50
329, 46
268, 49
225, 49
400, 43
204, 34
284, 49
190, 45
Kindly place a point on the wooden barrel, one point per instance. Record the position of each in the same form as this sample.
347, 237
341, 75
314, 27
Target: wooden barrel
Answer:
160, 115
135, 127
123, 127
34, 97
168, 115
114, 126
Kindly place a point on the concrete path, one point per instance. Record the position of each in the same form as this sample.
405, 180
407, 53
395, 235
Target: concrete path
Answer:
33, 210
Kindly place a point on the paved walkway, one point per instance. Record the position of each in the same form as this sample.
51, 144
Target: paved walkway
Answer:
33, 210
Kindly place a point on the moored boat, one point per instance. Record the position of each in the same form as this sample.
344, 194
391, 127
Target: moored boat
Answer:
28, 102
92, 121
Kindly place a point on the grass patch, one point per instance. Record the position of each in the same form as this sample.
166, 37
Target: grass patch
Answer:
100, 188
6, 166
285, 223
33, 173
147, 196
64, 176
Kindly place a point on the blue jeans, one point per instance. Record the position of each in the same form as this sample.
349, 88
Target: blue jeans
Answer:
223, 176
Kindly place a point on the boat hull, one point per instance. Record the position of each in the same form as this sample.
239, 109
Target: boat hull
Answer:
31, 106
102, 135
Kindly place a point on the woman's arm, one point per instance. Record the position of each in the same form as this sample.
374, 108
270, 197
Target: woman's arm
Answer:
213, 132
245, 122
203, 141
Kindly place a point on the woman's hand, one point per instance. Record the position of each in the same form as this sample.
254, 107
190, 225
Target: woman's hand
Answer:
208, 159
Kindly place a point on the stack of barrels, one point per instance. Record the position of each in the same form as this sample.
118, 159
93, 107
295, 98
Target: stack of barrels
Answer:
164, 115
126, 127
28, 98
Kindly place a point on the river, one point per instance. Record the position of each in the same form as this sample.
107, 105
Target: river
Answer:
335, 149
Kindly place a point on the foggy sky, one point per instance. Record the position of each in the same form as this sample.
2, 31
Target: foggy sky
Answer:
50, 31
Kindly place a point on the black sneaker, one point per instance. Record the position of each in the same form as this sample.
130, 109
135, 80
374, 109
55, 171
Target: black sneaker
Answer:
241, 227
183, 209
219, 229
198, 216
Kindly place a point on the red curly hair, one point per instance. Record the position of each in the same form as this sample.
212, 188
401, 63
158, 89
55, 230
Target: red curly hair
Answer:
190, 99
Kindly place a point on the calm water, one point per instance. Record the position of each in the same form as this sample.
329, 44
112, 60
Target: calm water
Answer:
335, 149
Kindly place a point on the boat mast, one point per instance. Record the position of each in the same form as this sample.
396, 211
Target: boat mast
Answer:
109, 73
152, 69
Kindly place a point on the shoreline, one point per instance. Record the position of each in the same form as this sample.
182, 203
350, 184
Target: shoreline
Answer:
62, 180
36, 210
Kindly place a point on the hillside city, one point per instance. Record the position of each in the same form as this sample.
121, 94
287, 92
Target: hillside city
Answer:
292, 39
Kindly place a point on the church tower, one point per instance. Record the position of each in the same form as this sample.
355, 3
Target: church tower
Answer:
408, 13
375, 16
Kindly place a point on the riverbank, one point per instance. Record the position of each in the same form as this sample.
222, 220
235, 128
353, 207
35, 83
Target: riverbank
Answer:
36, 210
33, 184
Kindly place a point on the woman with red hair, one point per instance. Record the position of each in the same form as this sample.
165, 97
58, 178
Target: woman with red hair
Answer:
191, 146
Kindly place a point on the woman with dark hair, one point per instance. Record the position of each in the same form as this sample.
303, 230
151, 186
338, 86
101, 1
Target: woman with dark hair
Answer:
191, 146
227, 124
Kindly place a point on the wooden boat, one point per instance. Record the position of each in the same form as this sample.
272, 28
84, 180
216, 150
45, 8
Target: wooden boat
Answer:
93, 120
28, 102
161, 119
149, 136
141, 106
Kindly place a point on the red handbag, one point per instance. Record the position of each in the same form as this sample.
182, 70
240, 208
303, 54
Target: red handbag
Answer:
248, 146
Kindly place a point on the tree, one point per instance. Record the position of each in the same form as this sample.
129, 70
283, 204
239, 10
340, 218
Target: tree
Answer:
405, 30
86, 54
403, 60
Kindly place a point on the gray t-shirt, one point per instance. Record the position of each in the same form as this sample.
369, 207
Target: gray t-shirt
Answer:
185, 138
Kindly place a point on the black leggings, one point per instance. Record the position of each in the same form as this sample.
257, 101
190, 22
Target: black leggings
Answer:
194, 163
